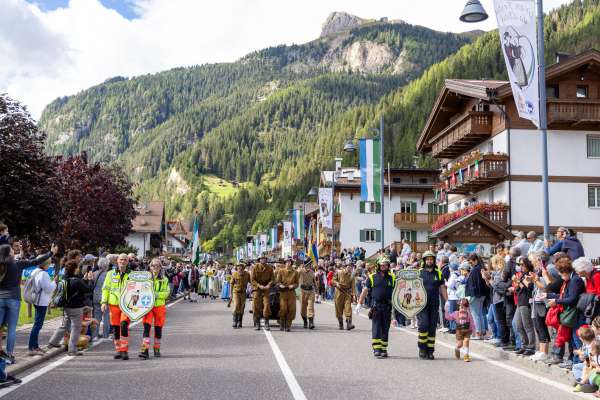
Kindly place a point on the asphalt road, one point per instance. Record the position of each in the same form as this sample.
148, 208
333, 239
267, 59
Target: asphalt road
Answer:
204, 358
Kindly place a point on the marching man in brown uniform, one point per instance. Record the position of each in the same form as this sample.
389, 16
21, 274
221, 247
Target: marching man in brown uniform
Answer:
262, 279
287, 281
344, 288
308, 286
239, 283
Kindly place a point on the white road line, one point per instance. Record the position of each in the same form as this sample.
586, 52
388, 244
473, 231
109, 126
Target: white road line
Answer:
499, 364
62, 360
285, 369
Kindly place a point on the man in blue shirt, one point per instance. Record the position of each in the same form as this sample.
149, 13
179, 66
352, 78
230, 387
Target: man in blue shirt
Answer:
427, 320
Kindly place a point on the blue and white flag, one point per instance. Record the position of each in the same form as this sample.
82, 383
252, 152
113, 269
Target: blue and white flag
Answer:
370, 170
196, 250
298, 223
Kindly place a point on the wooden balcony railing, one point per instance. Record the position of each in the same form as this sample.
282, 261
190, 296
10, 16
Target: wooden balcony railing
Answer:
496, 212
461, 135
418, 247
573, 111
481, 173
418, 221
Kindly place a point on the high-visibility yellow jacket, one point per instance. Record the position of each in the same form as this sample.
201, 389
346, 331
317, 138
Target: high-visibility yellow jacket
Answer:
112, 287
161, 291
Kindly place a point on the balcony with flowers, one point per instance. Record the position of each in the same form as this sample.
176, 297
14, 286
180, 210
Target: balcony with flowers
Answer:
495, 212
474, 172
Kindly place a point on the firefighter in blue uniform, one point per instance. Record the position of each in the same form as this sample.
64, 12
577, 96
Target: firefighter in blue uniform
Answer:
380, 286
427, 320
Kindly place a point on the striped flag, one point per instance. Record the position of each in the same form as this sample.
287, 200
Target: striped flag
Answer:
273, 237
370, 170
196, 241
298, 223
313, 253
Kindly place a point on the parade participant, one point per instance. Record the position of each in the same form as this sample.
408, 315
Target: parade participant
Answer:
380, 285
287, 281
308, 284
464, 327
427, 320
239, 283
262, 278
344, 288
111, 295
158, 312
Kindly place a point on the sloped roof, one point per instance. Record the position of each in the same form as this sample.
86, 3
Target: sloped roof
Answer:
452, 227
149, 217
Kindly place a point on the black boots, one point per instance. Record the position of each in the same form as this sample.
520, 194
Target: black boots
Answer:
144, 354
305, 322
124, 356
235, 321
288, 326
311, 323
341, 322
267, 326
423, 354
281, 325
239, 321
349, 325
157, 353
256, 324
117, 355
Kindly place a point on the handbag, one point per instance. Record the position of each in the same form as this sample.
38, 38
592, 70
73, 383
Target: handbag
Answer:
569, 317
552, 319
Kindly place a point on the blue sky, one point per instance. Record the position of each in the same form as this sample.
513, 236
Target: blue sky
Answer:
123, 7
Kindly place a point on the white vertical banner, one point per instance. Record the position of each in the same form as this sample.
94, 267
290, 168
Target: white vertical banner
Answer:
518, 40
250, 252
263, 243
286, 248
326, 207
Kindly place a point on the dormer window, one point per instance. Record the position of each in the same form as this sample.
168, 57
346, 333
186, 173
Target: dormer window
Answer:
582, 92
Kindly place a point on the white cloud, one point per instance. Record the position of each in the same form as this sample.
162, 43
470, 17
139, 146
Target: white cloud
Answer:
44, 55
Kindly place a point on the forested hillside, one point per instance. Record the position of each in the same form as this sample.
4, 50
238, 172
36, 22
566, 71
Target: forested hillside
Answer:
273, 119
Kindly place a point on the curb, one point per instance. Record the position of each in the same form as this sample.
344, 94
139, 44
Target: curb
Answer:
55, 352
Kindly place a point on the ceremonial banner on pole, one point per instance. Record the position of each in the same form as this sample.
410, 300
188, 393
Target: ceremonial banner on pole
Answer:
326, 207
273, 237
298, 220
409, 297
286, 248
196, 241
263, 243
250, 251
137, 297
517, 29
370, 170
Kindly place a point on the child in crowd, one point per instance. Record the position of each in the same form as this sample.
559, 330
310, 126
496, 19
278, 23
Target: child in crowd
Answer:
590, 378
587, 337
596, 328
464, 328
88, 325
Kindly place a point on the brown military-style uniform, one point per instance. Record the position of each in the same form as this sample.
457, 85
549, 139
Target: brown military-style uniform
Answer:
306, 277
287, 276
239, 283
262, 274
344, 289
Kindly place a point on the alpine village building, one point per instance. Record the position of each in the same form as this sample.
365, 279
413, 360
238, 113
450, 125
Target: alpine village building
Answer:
410, 210
491, 176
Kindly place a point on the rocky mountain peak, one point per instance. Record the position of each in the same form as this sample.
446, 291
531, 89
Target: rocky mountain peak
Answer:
340, 21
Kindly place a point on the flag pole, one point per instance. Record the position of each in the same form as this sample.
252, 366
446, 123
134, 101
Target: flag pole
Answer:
381, 158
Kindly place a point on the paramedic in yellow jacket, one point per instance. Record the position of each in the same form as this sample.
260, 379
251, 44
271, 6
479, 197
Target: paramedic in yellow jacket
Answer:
111, 295
158, 312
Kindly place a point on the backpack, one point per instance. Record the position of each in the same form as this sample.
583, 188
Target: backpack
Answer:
31, 293
592, 310
59, 296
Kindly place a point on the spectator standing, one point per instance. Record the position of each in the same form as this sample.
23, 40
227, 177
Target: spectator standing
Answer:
104, 317
523, 285
43, 287
478, 291
567, 242
535, 245
522, 243
11, 271
541, 279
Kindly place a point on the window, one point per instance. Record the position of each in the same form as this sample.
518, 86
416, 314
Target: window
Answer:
492, 195
552, 91
396, 180
370, 207
423, 181
370, 235
582, 92
411, 236
408, 207
594, 196
593, 146
436, 209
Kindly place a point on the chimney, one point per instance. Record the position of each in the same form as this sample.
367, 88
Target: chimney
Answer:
560, 57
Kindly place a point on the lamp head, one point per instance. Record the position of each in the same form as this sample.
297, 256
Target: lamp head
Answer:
349, 147
473, 12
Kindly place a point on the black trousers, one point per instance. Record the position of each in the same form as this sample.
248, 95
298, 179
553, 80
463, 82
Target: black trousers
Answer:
427, 321
510, 309
380, 326
500, 315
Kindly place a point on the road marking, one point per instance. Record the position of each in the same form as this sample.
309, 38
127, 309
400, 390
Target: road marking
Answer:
61, 361
499, 364
285, 369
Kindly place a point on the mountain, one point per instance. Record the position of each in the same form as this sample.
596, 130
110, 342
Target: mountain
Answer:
270, 121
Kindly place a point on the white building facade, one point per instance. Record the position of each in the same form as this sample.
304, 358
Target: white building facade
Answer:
482, 132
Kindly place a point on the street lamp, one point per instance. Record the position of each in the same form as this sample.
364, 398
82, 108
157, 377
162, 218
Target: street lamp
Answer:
474, 12
350, 147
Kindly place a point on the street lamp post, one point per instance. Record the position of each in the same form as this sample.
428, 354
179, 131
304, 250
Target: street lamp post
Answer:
474, 12
350, 148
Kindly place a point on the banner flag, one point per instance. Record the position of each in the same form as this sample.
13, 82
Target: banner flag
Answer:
326, 207
518, 37
298, 220
370, 170
196, 241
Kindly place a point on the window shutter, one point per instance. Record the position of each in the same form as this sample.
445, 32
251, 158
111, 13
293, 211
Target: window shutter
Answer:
362, 207
413, 207
378, 235
378, 207
413, 236
430, 208
363, 234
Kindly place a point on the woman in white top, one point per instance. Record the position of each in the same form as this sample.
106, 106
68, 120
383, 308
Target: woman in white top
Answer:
43, 286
